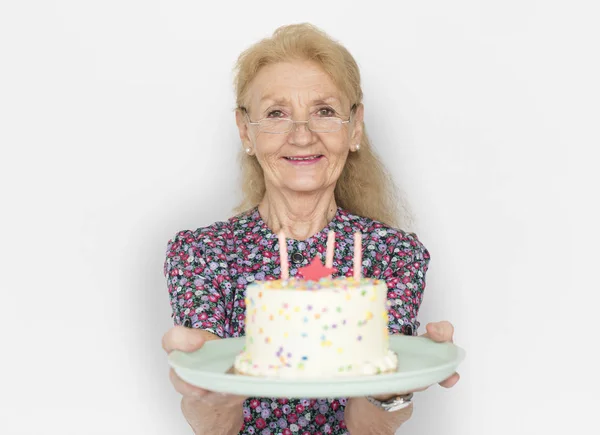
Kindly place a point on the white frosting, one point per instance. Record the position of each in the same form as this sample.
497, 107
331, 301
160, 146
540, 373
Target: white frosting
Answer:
332, 328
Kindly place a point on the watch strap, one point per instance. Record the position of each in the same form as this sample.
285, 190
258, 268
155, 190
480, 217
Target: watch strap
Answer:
395, 404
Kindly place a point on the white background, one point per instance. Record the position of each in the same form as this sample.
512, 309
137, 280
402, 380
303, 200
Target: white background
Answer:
117, 131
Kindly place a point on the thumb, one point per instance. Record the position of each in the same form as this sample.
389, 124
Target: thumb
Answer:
439, 331
183, 339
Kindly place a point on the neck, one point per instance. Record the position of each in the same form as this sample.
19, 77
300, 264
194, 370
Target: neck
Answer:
299, 216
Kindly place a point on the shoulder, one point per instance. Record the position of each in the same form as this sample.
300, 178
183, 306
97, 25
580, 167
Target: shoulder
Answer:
213, 239
186, 240
210, 236
384, 238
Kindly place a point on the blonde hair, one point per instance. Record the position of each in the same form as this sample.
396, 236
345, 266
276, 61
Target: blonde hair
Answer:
365, 187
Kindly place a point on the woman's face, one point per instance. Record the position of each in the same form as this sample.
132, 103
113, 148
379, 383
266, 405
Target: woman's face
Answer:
299, 161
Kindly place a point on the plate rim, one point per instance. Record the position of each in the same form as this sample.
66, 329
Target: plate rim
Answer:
253, 380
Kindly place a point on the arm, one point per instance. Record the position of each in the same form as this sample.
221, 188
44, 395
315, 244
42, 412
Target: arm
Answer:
195, 291
199, 303
206, 412
405, 277
212, 419
362, 418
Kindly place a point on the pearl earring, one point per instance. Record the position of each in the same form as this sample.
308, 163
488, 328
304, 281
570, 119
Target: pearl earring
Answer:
248, 150
356, 147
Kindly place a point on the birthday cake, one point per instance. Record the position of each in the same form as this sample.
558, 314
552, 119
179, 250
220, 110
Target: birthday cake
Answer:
317, 327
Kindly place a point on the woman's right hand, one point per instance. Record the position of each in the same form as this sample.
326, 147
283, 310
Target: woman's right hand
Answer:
189, 340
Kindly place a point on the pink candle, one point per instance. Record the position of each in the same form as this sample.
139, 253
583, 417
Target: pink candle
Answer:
330, 249
357, 255
283, 255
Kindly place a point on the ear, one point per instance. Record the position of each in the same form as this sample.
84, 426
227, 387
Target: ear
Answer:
244, 131
357, 126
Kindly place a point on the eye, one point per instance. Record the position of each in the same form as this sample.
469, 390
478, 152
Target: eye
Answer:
326, 112
275, 114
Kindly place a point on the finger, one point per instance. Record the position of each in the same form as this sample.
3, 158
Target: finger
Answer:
440, 331
451, 381
182, 338
184, 388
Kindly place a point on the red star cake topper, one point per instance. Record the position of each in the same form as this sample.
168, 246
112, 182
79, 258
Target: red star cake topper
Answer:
315, 270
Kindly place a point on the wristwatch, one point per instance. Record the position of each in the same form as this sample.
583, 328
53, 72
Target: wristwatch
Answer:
395, 404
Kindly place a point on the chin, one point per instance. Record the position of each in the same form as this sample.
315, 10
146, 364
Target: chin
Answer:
304, 186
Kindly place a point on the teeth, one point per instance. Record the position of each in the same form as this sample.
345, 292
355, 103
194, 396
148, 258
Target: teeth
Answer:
303, 158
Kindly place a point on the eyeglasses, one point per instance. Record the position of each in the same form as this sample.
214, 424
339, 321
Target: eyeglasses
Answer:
315, 124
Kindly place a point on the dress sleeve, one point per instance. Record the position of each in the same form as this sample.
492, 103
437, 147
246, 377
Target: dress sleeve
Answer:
405, 277
196, 298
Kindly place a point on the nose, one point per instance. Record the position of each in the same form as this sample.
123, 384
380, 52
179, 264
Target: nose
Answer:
300, 134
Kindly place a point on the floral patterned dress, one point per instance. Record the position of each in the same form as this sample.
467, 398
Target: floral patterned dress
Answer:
208, 269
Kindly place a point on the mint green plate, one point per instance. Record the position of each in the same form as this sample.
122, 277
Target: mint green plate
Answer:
421, 362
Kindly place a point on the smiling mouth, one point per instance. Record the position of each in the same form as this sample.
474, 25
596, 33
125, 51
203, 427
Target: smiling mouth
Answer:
312, 158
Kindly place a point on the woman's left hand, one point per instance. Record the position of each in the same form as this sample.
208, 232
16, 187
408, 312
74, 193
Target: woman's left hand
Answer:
440, 332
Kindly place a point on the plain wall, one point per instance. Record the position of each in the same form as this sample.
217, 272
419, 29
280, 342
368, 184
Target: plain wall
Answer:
117, 130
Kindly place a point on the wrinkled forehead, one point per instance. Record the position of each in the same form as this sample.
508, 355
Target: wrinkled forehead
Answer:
297, 84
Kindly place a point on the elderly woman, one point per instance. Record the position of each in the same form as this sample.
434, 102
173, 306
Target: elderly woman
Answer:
308, 168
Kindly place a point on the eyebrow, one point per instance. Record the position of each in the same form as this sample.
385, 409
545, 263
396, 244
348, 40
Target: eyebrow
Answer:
284, 101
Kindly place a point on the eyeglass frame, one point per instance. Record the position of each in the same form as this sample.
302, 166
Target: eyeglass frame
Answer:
292, 122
